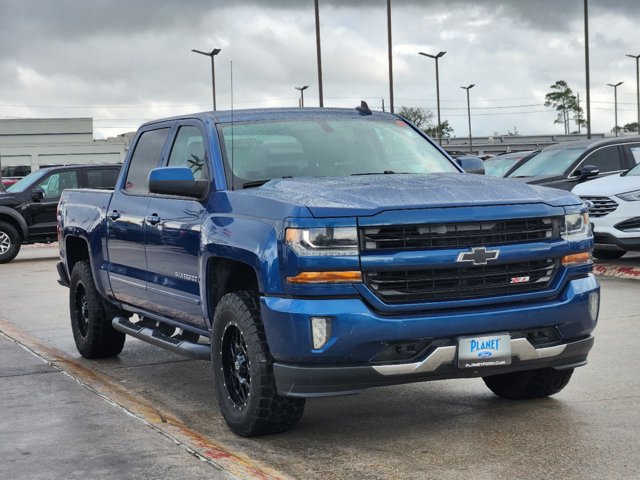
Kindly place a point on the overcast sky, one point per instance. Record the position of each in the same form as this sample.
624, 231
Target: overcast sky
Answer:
125, 62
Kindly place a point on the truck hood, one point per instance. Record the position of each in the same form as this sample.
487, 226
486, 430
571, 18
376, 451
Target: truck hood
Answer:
371, 194
607, 186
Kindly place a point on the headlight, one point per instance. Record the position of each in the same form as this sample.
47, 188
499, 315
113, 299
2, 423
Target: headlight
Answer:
323, 241
630, 196
576, 227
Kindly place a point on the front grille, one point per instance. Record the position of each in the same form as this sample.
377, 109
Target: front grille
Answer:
631, 224
446, 284
601, 206
458, 235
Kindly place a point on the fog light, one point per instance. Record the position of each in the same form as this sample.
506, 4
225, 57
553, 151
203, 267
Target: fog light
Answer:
320, 331
594, 305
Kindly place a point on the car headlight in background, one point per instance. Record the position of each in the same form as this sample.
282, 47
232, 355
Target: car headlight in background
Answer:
576, 227
630, 196
323, 241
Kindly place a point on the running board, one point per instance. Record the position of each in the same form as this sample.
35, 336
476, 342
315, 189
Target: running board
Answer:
155, 337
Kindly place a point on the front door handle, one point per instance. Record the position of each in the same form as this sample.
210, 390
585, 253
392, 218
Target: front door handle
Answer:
114, 215
152, 219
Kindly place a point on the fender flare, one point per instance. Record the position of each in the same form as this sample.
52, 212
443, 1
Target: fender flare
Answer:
18, 218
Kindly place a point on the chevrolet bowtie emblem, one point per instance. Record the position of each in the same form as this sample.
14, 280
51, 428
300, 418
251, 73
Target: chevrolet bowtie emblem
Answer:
478, 256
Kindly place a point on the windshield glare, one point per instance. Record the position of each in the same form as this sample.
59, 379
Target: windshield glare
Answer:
555, 161
326, 147
22, 184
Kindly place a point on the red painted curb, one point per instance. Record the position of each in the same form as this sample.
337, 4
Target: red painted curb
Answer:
616, 271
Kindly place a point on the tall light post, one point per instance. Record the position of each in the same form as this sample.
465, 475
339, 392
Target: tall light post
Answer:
637, 57
586, 65
615, 100
469, 114
390, 54
436, 57
319, 56
211, 54
301, 90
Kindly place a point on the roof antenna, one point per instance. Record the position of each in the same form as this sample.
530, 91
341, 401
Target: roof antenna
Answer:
232, 171
364, 108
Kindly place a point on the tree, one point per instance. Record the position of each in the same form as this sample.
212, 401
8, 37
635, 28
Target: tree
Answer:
445, 129
562, 99
420, 117
631, 127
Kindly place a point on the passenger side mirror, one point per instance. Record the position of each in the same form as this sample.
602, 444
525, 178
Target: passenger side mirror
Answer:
177, 181
37, 194
471, 164
587, 172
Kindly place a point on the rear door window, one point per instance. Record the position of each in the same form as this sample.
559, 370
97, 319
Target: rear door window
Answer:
145, 158
103, 178
607, 159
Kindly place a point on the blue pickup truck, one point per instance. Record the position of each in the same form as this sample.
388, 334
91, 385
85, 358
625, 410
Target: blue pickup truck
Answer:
316, 252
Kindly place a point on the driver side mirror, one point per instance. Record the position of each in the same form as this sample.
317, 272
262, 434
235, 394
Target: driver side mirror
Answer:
37, 194
587, 172
177, 181
471, 164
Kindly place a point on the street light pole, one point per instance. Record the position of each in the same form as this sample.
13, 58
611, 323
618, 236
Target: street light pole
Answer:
436, 57
211, 54
615, 100
319, 55
637, 57
469, 115
586, 65
302, 89
390, 54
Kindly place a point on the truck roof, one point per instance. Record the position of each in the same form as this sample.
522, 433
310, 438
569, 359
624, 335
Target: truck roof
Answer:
257, 114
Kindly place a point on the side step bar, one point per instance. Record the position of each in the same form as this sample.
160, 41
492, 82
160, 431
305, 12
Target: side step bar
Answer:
150, 335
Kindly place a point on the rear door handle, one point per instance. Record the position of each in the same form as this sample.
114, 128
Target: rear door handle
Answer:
152, 219
114, 215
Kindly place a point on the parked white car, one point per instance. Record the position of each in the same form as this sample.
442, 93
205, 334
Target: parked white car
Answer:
615, 212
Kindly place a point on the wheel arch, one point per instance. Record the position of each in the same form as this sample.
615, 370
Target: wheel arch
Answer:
14, 218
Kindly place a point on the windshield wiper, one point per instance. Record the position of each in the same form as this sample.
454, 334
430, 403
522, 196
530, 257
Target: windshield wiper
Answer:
259, 183
385, 172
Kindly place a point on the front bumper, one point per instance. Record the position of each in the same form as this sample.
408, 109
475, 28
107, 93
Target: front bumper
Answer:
305, 381
608, 237
348, 363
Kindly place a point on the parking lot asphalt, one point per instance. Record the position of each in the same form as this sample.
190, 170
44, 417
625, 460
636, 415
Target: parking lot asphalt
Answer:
150, 413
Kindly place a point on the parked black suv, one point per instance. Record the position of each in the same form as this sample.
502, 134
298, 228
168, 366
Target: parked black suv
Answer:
564, 165
28, 207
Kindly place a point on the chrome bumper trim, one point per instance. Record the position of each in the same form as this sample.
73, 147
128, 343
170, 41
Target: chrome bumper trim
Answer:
520, 347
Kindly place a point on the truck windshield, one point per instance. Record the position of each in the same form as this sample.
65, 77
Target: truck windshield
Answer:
549, 162
256, 152
22, 184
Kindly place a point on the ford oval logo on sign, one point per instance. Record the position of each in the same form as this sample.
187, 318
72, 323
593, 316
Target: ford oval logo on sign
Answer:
484, 354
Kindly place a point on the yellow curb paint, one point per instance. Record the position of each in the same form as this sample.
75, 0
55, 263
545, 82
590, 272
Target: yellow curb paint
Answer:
221, 456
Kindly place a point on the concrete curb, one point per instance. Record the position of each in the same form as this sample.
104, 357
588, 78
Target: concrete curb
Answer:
617, 271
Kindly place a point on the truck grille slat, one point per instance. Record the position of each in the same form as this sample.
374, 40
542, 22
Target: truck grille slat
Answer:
457, 235
459, 283
601, 206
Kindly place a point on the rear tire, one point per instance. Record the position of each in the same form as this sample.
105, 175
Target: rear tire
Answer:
91, 326
10, 242
608, 254
243, 372
529, 384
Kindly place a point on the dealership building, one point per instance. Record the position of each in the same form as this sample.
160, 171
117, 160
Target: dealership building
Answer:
32, 143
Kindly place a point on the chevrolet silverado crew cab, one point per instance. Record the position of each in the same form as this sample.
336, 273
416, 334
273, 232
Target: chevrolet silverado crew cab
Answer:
316, 252
28, 207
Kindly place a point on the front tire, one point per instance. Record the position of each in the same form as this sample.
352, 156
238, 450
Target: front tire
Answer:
529, 384
243, 373
608, 254
10, 242
91, 326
